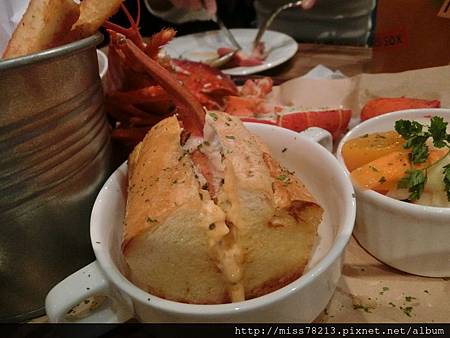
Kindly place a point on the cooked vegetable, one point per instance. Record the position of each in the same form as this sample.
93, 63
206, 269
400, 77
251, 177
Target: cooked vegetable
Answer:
369, 147
436, 193
43, 25
409, 164
383, 173
416, 138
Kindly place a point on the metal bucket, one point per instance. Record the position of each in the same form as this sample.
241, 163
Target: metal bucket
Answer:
54, 156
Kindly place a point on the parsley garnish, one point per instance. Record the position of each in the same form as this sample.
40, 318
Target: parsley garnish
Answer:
407, 310
151, 220
214, 116
438, 131
363, 307
416, 136
283, 178
230, 137
414, 181
409, 298
447, 180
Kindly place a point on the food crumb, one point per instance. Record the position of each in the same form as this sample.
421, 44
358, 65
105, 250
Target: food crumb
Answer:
385, 288
363, 307
407, 310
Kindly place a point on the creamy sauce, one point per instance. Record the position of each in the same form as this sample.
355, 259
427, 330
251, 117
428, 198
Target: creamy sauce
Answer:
221, 242
213, 150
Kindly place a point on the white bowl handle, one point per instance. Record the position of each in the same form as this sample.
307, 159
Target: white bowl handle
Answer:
82, 284
319, 135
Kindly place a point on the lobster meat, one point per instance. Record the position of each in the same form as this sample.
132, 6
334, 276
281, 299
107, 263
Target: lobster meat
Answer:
242, 59
136, 101
253, 106
141, 89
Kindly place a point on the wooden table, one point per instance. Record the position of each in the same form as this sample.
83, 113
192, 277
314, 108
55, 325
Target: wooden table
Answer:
350, 60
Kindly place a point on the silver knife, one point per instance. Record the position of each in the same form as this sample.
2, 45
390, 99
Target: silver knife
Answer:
226, 31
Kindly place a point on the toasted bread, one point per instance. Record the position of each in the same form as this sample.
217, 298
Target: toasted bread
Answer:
250, 235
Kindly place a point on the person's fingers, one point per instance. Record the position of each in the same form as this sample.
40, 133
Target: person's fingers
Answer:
195, 5
210, 6
177, 3
307, 4
188, 4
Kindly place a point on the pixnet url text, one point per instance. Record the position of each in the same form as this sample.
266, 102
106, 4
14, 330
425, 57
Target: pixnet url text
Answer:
338, 331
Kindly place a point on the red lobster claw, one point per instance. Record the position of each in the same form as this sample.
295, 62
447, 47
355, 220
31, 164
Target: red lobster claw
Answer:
191, 113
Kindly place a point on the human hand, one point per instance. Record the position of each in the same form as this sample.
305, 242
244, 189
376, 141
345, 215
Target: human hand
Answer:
307, 4
209, 5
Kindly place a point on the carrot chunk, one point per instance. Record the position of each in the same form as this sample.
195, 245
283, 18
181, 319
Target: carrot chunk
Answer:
384, 173
369, 147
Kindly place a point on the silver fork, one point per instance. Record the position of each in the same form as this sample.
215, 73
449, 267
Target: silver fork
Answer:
262, 29
222, 60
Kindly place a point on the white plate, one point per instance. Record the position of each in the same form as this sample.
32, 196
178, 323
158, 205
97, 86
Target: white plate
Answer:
203, 46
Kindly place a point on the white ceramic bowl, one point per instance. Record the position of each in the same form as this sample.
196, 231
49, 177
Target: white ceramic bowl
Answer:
412, 238
300, 301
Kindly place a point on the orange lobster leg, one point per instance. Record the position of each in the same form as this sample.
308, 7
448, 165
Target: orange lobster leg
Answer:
335, 121
385, 105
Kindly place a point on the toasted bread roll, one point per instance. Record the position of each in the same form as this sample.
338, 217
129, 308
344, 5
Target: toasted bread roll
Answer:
168, 224
217, 219
274, 216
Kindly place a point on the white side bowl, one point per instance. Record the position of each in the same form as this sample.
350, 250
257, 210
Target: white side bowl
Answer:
412, 238
299, 301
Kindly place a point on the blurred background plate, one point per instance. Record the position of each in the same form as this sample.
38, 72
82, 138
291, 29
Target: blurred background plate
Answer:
202, 46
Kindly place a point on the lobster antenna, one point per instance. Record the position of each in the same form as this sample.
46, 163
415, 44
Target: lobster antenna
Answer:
138, 19
133, 31
127, 13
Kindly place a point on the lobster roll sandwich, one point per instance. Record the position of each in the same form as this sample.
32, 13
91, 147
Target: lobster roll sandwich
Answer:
214, 219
